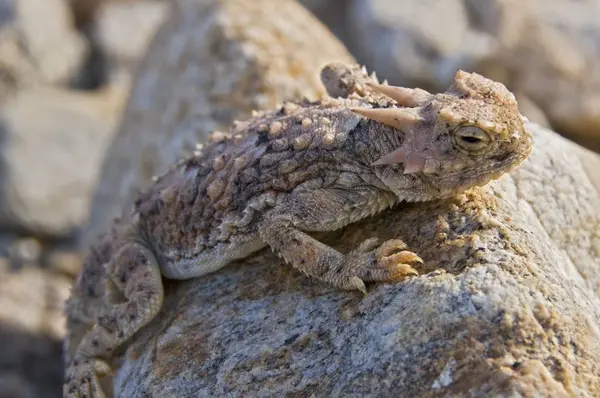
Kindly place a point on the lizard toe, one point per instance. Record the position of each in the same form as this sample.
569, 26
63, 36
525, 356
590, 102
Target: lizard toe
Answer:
367, 245
390, 246
82, 381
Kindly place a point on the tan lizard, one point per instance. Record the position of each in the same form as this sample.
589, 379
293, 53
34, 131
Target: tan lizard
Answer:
269, 181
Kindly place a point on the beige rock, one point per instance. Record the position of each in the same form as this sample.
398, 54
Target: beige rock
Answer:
591, 163
32, 299
500, 309
53, 144
212, 62
38, 44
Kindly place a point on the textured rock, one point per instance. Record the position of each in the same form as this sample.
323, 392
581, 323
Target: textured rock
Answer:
53, 142
501, 309
263, 51
38, 43
546, 50
591, 164
560, 187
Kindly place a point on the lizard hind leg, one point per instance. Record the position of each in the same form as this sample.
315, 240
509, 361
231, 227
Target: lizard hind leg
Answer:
135, 271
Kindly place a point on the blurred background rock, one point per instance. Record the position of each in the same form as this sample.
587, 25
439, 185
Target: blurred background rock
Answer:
67, 66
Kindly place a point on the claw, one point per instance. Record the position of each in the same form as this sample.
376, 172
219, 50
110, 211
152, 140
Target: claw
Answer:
403, 270
102, 368
82, 381
358, 284
402, 257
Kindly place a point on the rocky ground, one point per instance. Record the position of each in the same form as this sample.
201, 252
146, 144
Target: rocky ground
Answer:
67, 68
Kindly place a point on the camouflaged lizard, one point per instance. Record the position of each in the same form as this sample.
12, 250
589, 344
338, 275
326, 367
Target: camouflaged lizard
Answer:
273, 179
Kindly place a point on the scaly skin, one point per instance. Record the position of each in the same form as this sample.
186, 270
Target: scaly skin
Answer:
307, 166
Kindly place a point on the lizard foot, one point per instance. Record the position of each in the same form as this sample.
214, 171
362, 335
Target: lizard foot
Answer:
388, 262
81, 379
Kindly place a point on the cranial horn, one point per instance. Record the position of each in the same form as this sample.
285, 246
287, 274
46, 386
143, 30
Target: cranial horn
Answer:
397, 156
403, 96
394, 117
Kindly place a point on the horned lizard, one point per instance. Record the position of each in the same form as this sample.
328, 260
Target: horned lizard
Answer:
273, 179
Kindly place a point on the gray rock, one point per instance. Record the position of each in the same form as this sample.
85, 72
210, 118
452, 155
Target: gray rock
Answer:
51, 145
501, 307
123, 31
333, 13
421, 43
545, 50
213, 61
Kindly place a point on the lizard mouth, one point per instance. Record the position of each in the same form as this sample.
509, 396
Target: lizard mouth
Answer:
450, 184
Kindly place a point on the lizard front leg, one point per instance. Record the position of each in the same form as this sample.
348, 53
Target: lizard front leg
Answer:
134, 272
283, 228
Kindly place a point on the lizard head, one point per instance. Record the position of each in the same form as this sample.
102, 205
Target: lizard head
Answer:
451, 141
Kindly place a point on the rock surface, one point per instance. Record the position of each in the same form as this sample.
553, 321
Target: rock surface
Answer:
503, 307
561, 187
52, 144
263, 51
546, 50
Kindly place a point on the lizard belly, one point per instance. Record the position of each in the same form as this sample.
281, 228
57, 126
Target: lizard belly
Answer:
210, 259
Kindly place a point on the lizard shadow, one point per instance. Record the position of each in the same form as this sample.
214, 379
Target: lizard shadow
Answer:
444, 233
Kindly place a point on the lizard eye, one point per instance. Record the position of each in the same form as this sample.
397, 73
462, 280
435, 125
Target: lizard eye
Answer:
471, 138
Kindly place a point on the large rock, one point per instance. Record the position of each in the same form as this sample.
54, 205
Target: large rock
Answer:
546, 50
501, 308
38, 44
52, 144
212, 62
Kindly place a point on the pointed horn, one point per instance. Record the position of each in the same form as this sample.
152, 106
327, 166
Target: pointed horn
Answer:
403, 96
394, 117
397, 156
